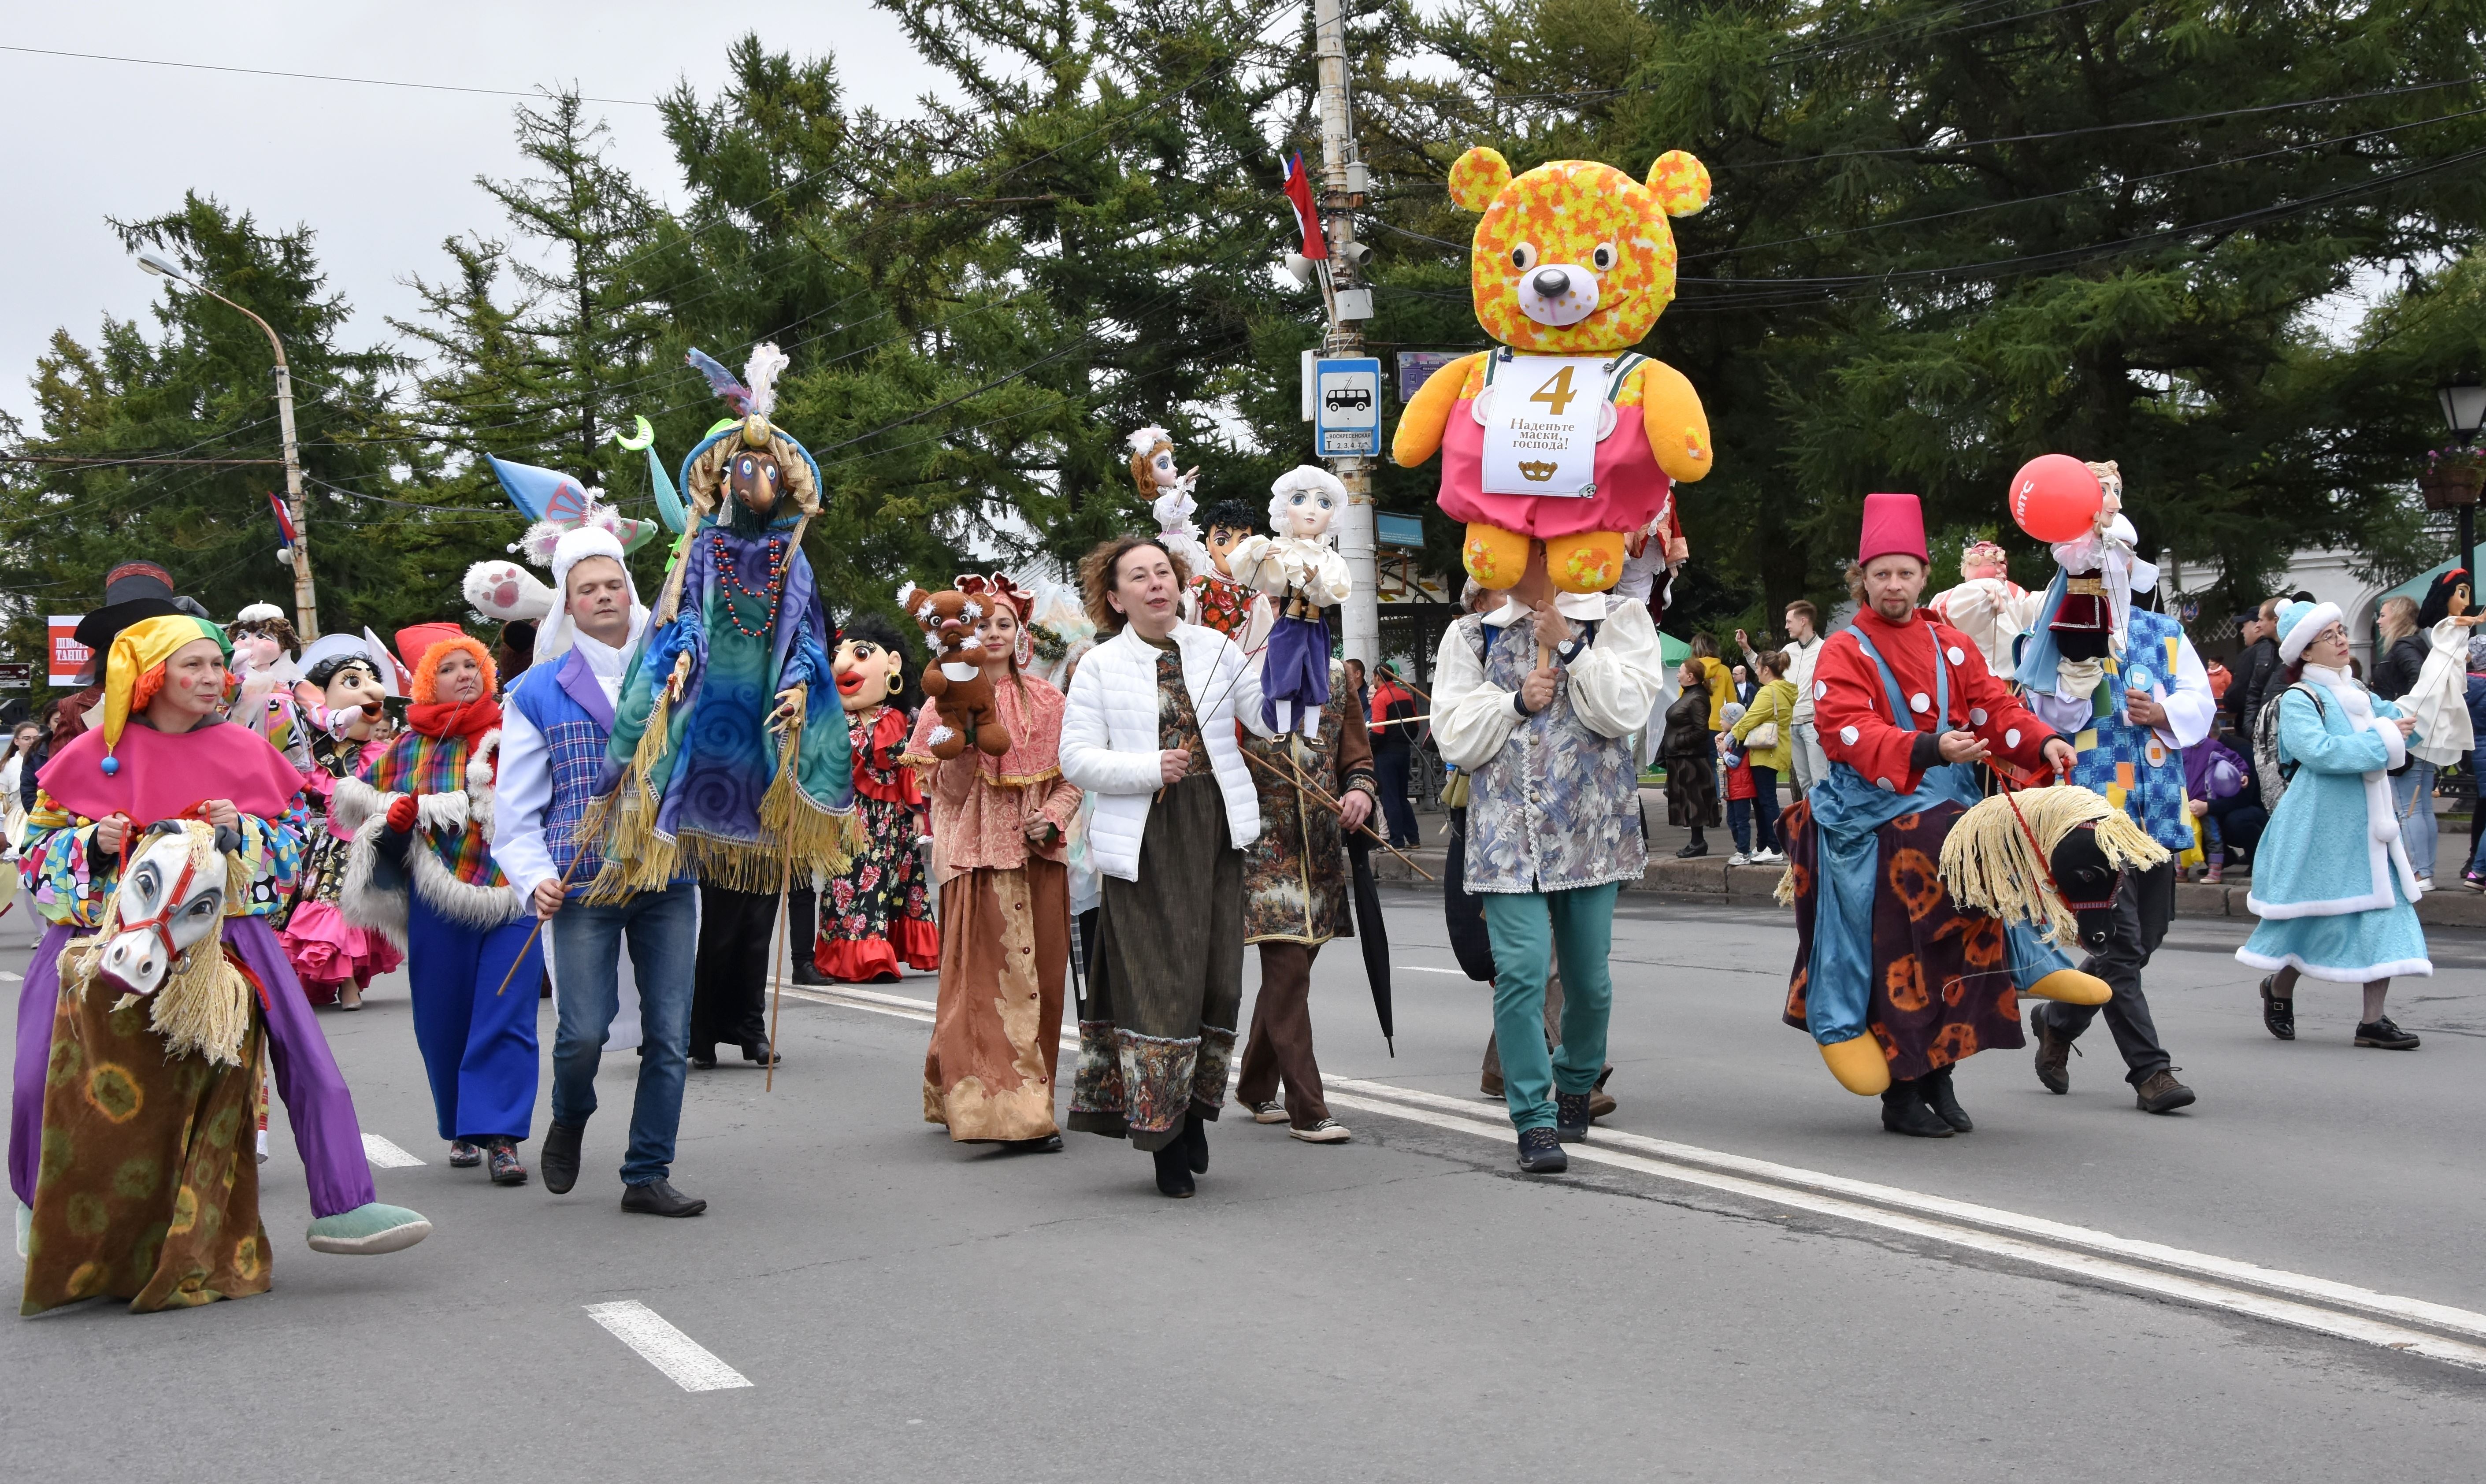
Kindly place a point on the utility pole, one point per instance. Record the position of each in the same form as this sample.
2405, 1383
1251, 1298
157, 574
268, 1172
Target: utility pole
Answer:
1343, 188
306, 599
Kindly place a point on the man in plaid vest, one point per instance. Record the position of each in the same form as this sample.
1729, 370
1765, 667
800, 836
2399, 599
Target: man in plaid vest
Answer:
555, 729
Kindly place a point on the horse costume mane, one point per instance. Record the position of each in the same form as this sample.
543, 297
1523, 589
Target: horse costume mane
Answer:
1990, 864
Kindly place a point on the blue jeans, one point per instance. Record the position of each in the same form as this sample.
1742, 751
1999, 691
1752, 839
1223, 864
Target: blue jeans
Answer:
2413, 801
1530, 933
473, 993
587, 987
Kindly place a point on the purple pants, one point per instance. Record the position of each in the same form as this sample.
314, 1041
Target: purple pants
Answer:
316, 1099
1295, 668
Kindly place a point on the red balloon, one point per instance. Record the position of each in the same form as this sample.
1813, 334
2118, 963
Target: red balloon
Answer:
2056, 498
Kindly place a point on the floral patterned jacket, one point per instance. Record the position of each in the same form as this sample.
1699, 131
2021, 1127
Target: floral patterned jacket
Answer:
1295, 876
70, 879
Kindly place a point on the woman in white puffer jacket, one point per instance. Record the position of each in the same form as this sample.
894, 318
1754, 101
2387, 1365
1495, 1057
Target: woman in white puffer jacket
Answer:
1148, 733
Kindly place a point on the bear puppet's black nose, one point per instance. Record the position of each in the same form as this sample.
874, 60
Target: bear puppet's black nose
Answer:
1552, 283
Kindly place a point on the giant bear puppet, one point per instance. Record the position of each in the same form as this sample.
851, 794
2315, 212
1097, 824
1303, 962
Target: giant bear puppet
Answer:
1565, 435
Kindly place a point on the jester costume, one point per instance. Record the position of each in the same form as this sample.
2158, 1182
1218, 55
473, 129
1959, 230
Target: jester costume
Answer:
108, 1134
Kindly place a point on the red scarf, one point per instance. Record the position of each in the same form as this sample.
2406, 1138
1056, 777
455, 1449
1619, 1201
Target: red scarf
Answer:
463, 720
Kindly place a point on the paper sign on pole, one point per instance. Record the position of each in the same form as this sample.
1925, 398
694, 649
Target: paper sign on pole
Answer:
1540, 425
68, 656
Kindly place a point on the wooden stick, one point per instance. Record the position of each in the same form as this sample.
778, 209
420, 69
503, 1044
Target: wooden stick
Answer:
594, 825
1315, 789
785, 890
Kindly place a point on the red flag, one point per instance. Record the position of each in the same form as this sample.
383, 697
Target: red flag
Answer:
284, 517
1299, 195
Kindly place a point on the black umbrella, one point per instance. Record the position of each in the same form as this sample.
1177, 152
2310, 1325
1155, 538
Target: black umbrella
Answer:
1462, 910
1370, 934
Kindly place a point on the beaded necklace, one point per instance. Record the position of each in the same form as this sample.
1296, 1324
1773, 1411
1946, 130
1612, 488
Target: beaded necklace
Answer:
779, 555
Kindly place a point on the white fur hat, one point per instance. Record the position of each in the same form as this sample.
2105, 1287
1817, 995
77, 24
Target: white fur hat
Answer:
555, 636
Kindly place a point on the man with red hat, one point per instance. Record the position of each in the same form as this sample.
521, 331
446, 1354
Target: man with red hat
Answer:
1906, 706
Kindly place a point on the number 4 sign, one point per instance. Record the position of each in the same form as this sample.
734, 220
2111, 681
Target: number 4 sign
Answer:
1541, 421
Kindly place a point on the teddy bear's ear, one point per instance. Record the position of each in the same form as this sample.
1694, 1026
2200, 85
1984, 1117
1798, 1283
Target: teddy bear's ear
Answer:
1478, 177
1681, 182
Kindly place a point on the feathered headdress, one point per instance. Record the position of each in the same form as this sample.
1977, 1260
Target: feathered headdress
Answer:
753, 403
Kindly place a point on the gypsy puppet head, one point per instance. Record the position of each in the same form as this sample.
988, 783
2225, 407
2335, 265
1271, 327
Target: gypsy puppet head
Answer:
1305, 503
2448, 597
2053, 857
871, 665
748, 463
1227, 522
1574, 256
349, 685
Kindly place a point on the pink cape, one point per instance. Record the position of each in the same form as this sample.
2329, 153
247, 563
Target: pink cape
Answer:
163, 776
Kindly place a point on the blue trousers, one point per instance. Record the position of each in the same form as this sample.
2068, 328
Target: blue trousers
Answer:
478, 1046
1530, 932
663, 928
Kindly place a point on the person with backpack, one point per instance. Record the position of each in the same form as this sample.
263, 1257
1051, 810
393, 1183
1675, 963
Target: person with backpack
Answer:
2333, 888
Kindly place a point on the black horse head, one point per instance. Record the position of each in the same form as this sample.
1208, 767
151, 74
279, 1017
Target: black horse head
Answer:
2089, 882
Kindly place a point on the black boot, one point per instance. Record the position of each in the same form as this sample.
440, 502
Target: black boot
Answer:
1174, 1170
1936, 1086
1195, 1142
1904, 1112
559, 1161
803, 932
759, 1051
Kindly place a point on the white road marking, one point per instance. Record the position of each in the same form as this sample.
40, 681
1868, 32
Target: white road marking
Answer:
11, 975
2272, 1294
687, 1363
1423, 968
386, 1155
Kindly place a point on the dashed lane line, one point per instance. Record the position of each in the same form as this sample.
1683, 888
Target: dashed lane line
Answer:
381, 1152
684, 1360
2390, 1321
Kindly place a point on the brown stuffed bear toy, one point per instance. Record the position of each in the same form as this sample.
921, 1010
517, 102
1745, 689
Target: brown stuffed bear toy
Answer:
955, 680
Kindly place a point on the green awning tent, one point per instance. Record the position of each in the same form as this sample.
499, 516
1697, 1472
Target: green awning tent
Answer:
2415, 588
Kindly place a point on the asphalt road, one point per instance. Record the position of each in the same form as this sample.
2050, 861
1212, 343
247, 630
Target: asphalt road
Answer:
1404, 1306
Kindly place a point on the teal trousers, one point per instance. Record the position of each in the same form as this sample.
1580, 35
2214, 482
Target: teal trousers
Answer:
1530, 932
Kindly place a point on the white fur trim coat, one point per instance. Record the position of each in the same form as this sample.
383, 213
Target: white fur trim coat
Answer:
2333, 844
374, 895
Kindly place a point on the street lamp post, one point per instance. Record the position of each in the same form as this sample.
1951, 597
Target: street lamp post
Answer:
2464, 411
306, 599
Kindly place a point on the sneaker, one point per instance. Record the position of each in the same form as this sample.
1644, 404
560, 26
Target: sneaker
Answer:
1328, 1131
2215, 876
1571, 1116
506, 1169
1739, 858
2160, 1092
2476, 881
1540, 1152
1768, 858
1270, 1112
2385, 1035
463, 1155
2424, 884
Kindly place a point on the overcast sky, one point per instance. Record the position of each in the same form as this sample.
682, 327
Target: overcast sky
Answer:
382, 174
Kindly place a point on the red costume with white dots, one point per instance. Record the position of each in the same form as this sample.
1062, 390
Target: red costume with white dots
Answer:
1852, 709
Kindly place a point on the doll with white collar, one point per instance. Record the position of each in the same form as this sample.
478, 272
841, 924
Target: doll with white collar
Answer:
1170, 491
264, 651
1302, 575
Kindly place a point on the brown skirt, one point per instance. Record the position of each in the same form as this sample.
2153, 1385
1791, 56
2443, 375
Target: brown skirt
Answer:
1157, 1034
149, 1189
1004, 942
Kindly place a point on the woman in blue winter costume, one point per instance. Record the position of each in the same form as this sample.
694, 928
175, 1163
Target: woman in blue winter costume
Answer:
2332, 880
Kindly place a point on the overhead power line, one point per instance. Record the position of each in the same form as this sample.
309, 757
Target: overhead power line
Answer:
261, 72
